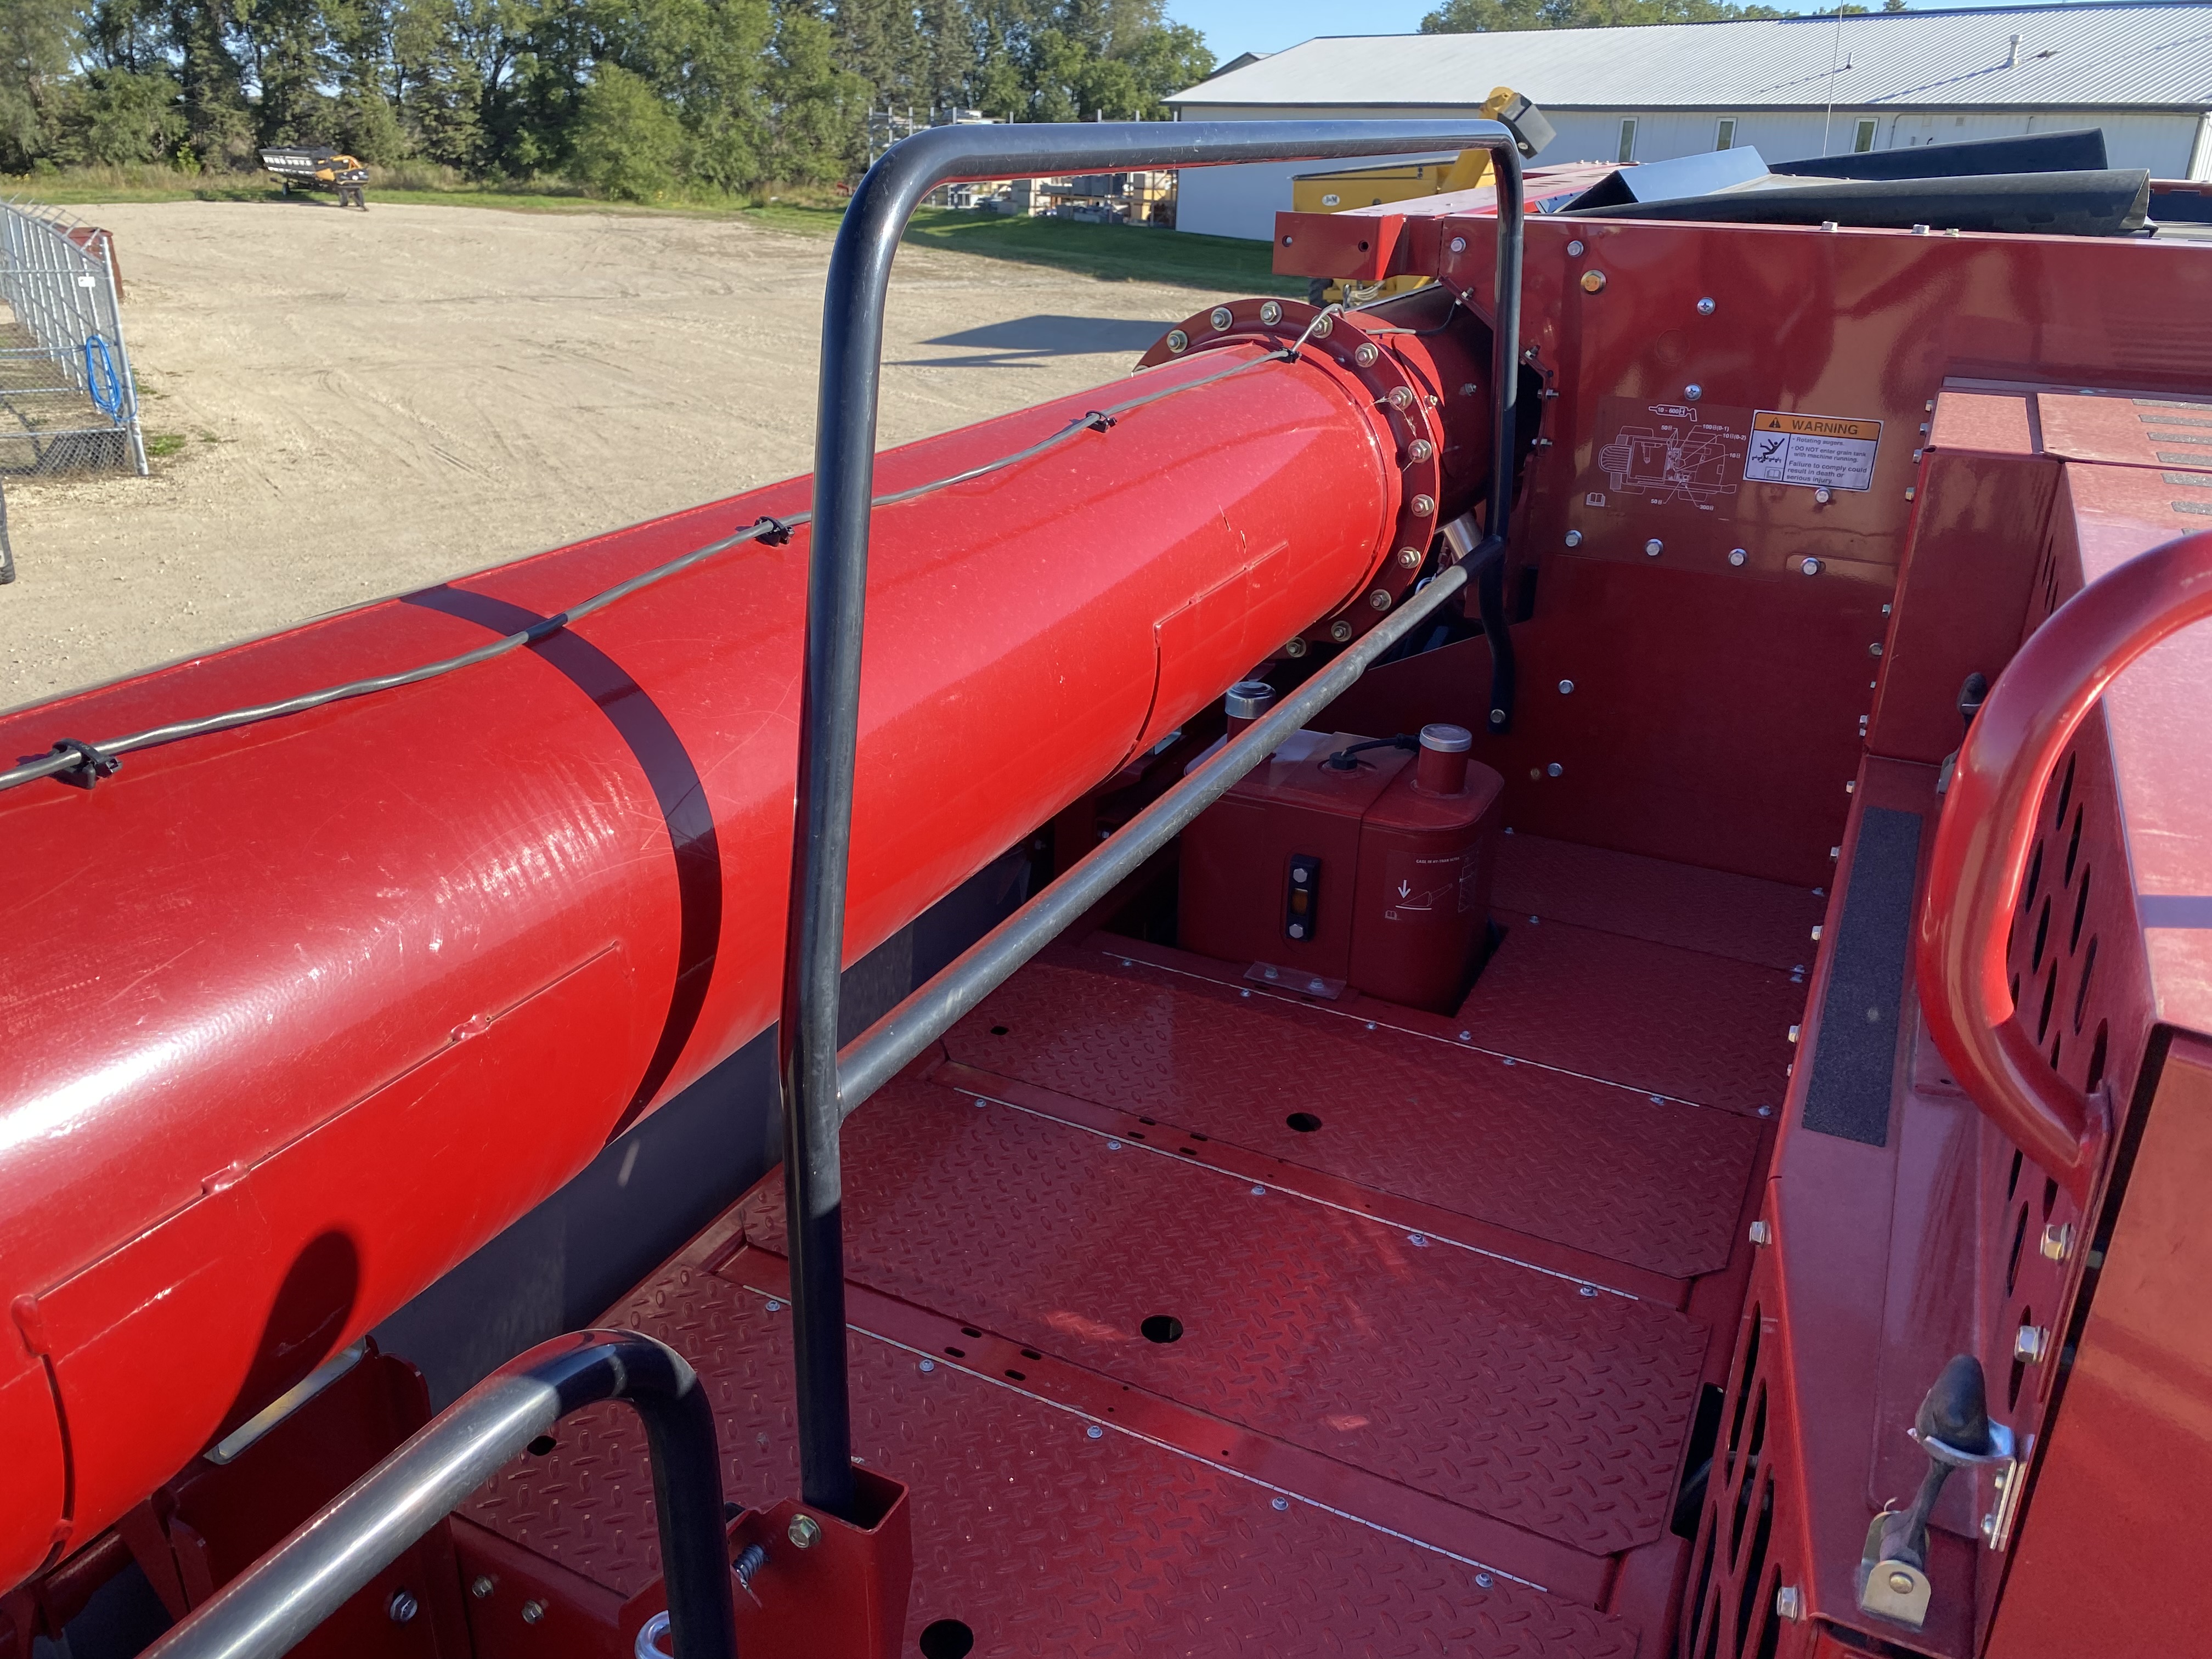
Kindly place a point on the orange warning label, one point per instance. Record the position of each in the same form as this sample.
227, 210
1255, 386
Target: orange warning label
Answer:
1834, 451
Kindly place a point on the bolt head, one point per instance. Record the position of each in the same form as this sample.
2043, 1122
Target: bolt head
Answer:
1177, 340
1418, 1240
1654, 547
1705, 307
402, 1608
2058, 1239
1574, 538
532, 1612
1585, 1289
1469, 390
1423, 506
1593, 282
927, 1366
1366, 355
1401, 396
1902, 1582
1294, 647
1094, 1433
1788, 1603
1324, 328
1280, 1504
1380, 598
1554, 769
2027, 1344
1420, 449
1693, 391
1761, 1233
1574, 250
1483, 1581
1459, 245
1220, 317
1271, 314
1340, 630
1823, 497
1811, 567
1496, 718
805, 1532
1566, 688
1738, 558
480, 1587
1410, 557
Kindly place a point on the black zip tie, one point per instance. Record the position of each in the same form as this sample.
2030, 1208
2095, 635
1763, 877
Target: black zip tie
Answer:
91, 765
1098, 421
777, 533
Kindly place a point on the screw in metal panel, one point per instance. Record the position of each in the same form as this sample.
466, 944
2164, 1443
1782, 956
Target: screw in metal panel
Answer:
1420, 449
775, 1306
1574, 538
1401, 396
1902, 1582
1920, 230
1177, 340
1737, 557
1366, 355
1380, 598
1908, 492
1469, 390
1705, 307
2058, 1239
1271, 314
1498, 717
805, 1532
1371, 1024
1835, 853
1286, 241
1593, 282
1294, 647
1793, 1034
1529, 354
1586, 1289
1874, 648
2029, 1343
1830, 224
1759, 1233
1459, 245
1816, 933
1767, 1111
1566, 688
1811, 567
1574, 250
1324, 327
1280, 1504
1410, 557
1789, 1604
1094, 1433
1220, 317
1258, 1192
532, 1612
1112, 1145
402, 1607
1824, 496
927, 1366
1554, 769
480, 1586
1418, 1240
1654, 547
1423, 506
1693, 391
1467, 1036
1340, 630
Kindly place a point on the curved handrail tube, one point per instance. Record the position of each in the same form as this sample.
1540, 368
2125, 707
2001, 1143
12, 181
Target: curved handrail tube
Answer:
829, 721
1987, 827
272, 1606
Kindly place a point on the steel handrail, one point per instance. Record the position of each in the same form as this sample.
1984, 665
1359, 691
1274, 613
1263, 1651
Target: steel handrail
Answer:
829, 696
1988, 828
278, 1601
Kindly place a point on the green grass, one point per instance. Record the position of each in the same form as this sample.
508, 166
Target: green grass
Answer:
161, 444
1108, 252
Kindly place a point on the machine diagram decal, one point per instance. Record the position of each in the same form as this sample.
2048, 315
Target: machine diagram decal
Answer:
1667, 455
1820, 452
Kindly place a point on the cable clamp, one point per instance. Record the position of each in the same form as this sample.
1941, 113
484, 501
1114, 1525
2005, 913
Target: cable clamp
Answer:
91, 764
1098, 421
775, 535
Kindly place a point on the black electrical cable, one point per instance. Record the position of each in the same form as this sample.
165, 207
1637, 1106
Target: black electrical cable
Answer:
98, 760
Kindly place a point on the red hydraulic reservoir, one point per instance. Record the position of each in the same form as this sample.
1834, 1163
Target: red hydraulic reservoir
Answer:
1346, 861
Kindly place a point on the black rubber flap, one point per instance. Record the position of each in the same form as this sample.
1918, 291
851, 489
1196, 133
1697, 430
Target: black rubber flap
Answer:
1856, 1057
2081, 150
2040, 204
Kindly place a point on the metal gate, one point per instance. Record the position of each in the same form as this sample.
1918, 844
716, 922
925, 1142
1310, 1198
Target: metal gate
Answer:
68, 402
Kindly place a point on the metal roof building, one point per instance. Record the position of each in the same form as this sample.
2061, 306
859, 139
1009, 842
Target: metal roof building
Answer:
1791, 86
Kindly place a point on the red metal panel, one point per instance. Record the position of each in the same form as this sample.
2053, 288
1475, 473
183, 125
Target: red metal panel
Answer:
1508, 1390
1039, 1537
1704, 1029
1711, 911
244, 936
2116, 428
1596, 1168
2110, 1556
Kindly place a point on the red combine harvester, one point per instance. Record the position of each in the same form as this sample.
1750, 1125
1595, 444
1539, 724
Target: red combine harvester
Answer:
1641, 1084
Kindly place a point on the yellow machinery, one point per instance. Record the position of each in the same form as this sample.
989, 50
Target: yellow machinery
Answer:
1402, 181
318, 168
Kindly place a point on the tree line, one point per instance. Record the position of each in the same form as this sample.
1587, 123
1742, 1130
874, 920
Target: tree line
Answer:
1489, 17
632, 98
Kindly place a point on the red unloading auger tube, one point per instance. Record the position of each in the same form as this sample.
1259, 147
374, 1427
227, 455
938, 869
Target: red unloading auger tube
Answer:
297, 1015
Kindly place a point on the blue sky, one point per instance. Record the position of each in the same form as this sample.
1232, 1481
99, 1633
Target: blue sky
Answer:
1231, 26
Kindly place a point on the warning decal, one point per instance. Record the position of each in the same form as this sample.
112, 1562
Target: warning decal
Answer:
1818, 451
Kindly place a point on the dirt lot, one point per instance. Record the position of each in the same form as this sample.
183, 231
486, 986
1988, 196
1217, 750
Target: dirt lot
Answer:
369, 403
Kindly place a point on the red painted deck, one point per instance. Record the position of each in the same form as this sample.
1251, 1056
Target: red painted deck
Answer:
1434, 1362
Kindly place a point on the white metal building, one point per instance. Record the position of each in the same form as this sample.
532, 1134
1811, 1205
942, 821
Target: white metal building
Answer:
1791, 86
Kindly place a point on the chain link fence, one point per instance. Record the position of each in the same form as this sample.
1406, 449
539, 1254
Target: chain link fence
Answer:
67, 401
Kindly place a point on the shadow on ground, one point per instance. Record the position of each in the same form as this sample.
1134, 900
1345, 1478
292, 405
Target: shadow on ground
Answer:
1031, 339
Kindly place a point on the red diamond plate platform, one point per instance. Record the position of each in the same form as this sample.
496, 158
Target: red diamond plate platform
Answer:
1601, 1168
1684, 1024
1709, 910
1043, 1540
1556, 1407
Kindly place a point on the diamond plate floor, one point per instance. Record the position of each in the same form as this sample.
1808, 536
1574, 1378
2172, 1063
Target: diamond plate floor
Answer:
1597, 1168
1043, 1540
1684, 1023
1515, 1393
